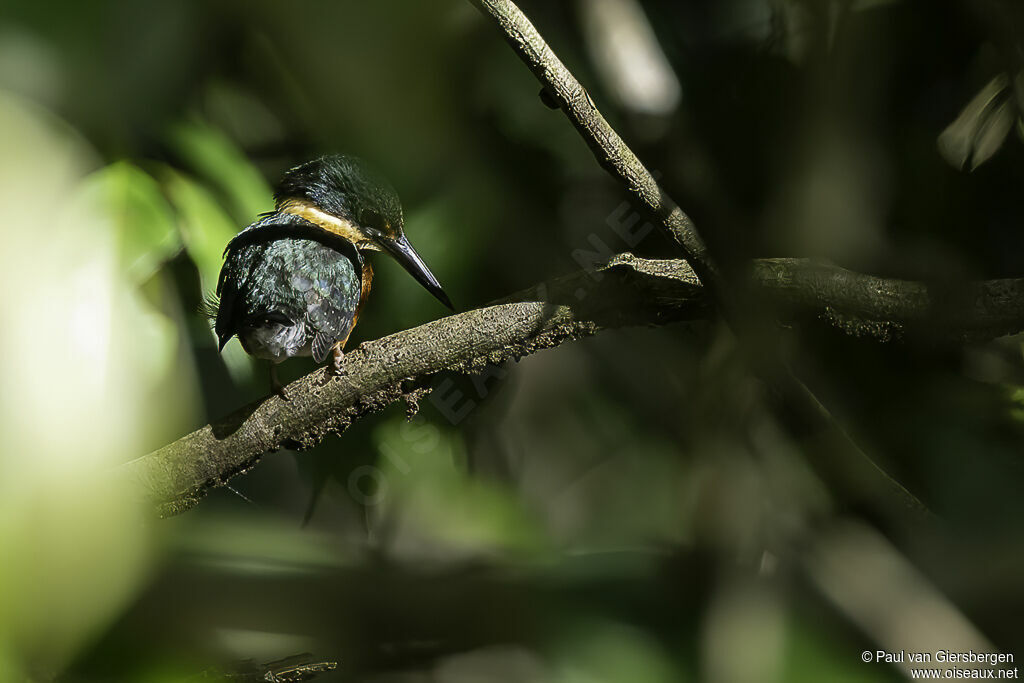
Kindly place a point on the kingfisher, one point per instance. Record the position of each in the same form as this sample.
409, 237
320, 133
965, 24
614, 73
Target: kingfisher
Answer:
294, 282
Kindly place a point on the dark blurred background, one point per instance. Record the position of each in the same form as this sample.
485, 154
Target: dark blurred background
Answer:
638, 506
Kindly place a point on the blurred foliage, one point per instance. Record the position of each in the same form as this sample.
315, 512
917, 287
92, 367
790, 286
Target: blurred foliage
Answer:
145, 229
634, 507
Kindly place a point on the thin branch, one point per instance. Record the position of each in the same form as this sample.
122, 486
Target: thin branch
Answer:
292, 669
611, 152
627, 291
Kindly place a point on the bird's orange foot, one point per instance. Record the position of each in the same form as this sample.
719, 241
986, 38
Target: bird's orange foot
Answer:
336, 367
337, 361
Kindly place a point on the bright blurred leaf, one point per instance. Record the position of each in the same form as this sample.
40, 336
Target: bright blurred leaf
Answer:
143, 224
205, 227
981, 128
134, 212
1017, 403
205, 230
215, 158
74, 549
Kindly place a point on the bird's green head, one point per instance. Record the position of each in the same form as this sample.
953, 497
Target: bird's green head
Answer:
343, 196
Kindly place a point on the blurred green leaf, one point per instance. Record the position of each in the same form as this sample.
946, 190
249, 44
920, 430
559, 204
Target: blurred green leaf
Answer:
602, 651
143, 223
1017, 403
812, 656
216, 159
982, 126
424, 477
255, 544
145, 237
205, 227
205, 230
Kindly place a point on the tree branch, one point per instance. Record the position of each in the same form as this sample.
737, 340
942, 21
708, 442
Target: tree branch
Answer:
611, 152
626, 291
887, 309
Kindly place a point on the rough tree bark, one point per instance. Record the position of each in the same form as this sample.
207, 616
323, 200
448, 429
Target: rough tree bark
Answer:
627, 291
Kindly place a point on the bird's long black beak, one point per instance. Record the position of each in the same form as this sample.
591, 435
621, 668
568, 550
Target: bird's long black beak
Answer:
403, 252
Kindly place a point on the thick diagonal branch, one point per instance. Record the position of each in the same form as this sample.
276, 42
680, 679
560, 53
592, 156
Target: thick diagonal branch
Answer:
626, 291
